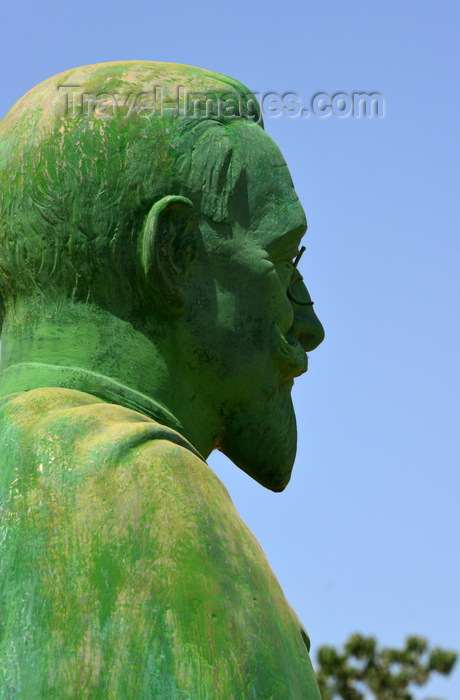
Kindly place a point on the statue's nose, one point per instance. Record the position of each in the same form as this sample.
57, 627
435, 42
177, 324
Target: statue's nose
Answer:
307, 327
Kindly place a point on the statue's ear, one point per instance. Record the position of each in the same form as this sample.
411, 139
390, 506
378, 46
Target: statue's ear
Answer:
168, 246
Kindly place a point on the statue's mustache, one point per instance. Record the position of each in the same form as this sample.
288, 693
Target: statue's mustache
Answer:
291, 359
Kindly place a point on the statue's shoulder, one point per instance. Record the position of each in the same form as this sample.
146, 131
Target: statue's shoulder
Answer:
84, 429
66, 445
131, 539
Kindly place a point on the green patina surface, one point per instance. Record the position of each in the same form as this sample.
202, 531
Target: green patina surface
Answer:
125, 570
151, 313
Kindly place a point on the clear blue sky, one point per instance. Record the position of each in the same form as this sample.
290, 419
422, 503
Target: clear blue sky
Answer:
366, 537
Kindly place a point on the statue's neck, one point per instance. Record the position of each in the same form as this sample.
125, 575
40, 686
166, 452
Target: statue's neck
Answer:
83, 347
81, 336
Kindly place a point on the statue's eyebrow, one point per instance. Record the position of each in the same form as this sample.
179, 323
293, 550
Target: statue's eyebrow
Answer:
287, 243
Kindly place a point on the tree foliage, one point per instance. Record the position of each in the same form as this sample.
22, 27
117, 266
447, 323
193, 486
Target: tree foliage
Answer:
362, 671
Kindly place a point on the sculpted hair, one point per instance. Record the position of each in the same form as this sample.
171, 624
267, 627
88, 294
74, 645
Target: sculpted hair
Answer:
73, 199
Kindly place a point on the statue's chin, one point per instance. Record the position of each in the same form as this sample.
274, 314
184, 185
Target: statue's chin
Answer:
262, 440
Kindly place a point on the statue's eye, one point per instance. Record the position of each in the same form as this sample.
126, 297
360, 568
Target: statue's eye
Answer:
287, 267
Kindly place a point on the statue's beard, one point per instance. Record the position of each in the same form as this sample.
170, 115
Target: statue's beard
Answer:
261, 438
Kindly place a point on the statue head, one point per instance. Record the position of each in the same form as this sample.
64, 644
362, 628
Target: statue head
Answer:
151, 192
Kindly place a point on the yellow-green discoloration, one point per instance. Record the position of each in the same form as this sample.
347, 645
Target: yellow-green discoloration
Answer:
125, 571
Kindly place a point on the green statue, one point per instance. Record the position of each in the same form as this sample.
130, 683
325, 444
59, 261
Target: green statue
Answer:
152, 311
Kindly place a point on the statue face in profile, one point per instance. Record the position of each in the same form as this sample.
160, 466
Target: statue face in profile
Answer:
259, 335
184, 227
